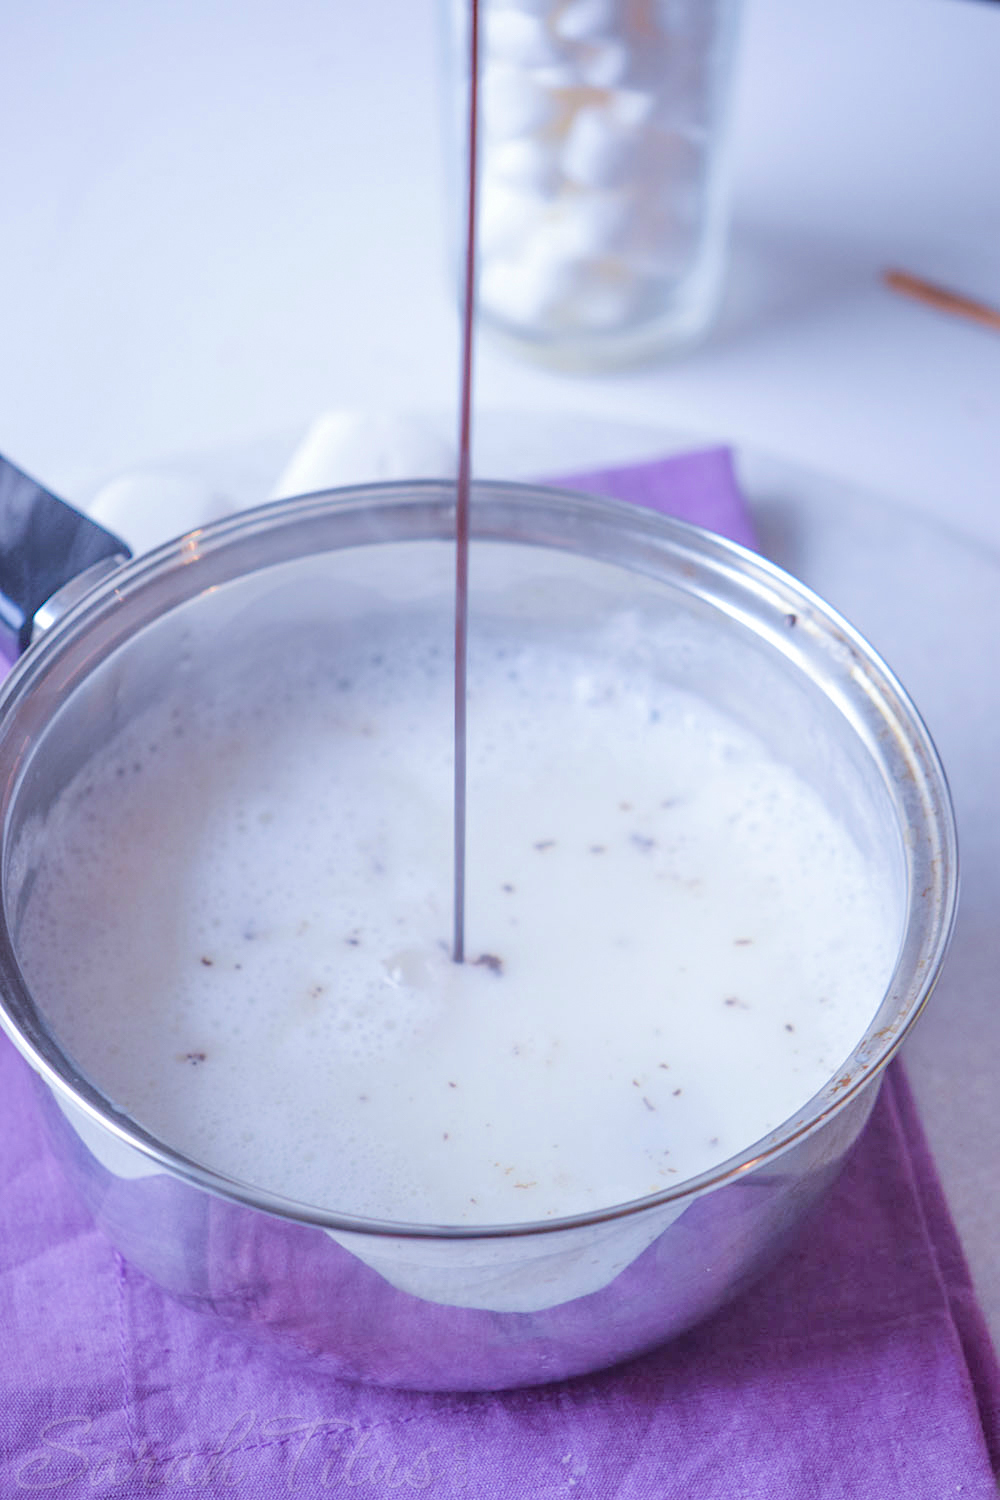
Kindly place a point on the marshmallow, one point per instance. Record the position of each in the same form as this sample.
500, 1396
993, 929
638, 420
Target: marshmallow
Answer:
506, 216
583, 226
559, 75
514, 102
358, 447
582, 19
602, 64
528, 276
524, 164
533, 279
522, 289
145, 509
604, 140
516, 37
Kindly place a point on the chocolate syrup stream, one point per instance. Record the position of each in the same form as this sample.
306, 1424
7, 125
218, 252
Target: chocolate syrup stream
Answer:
462, 495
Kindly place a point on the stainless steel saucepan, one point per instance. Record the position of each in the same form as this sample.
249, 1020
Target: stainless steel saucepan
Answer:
417, 1304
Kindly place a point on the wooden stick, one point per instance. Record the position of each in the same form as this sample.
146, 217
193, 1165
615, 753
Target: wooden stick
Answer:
940, 297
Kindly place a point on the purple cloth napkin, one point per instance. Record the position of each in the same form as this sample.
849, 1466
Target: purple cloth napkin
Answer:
699, 487
859, 1369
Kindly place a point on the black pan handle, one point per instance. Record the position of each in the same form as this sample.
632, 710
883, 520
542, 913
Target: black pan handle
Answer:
43, 544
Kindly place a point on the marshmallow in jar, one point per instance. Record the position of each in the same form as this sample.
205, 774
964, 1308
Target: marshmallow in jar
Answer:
601, 198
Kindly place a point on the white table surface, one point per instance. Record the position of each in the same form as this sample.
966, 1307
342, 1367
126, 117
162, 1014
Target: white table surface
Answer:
220, 220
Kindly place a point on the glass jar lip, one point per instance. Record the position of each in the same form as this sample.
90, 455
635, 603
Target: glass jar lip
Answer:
763, 597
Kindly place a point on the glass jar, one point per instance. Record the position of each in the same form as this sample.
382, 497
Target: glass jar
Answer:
602, 188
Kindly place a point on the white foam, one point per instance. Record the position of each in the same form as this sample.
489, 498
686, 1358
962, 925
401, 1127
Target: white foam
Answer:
245, 945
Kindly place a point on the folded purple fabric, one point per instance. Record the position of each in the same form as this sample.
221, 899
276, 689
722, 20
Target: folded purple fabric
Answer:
859, 1369
699, 487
